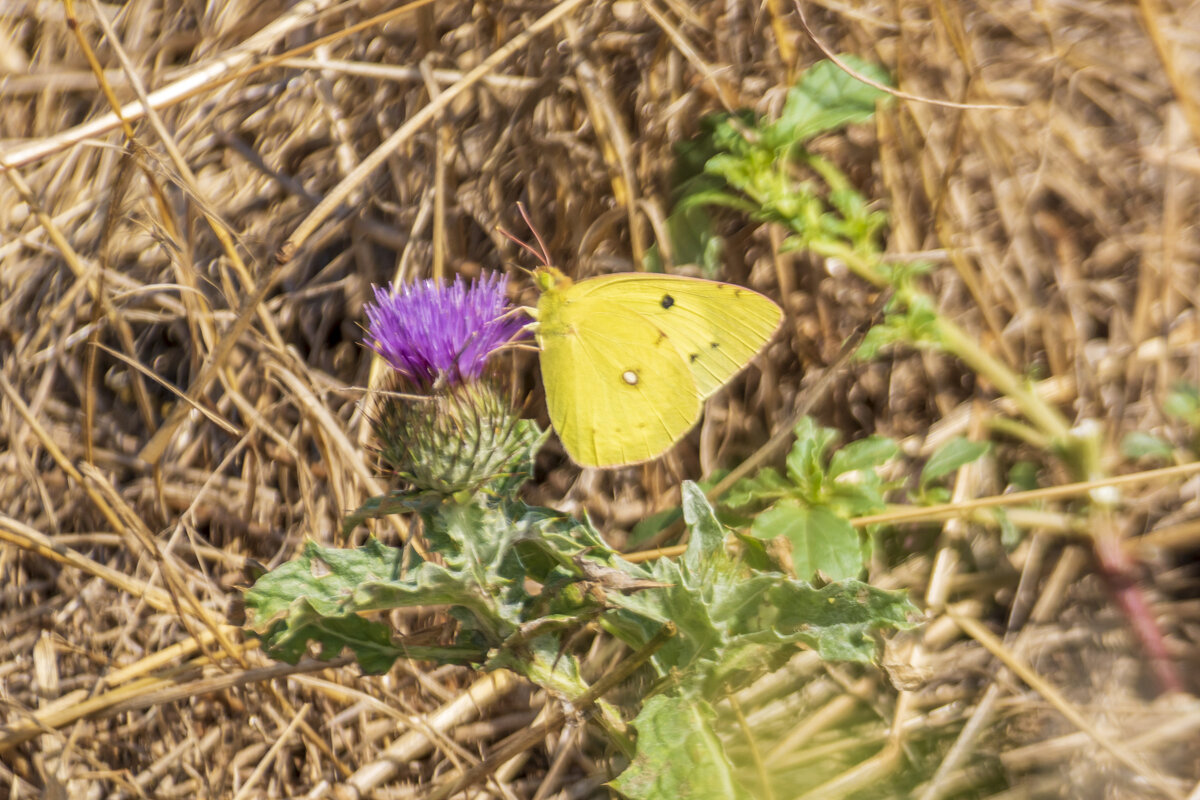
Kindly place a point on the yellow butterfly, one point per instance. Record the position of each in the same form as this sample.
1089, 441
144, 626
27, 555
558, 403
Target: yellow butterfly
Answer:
628, 359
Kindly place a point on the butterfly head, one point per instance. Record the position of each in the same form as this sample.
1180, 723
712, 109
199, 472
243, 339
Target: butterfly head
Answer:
549, 279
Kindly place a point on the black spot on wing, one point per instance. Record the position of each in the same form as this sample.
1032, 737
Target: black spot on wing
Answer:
694, 357
667, 301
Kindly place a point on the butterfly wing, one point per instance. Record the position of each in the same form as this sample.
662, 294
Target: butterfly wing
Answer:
716, 328
616, 389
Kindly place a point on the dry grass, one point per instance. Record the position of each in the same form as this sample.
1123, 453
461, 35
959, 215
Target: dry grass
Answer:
1064, 233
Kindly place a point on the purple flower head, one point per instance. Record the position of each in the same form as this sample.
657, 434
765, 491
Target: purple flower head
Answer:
428, 330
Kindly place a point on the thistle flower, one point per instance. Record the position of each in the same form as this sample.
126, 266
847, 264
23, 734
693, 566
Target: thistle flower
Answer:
430, 332
460, 431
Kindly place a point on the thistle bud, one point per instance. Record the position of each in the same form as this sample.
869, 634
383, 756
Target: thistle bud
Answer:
449, 426
459, 438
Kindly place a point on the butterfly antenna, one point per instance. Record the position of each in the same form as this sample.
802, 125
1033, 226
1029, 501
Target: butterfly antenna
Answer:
541, 243
539, 256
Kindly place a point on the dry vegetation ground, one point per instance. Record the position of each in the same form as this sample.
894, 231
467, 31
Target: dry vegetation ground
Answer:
1064, 234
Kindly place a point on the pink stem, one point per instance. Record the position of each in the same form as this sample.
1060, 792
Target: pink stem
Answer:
1119, 572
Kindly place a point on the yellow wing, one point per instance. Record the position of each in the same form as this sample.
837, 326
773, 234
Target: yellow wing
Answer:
617, 391
628, 359
716, 327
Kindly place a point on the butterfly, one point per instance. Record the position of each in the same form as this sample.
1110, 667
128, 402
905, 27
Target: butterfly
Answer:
628, 359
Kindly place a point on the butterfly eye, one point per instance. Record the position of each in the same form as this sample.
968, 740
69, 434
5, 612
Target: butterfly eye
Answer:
630, 377
667, 301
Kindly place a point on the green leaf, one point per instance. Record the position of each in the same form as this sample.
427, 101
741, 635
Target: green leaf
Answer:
821, 540
678, 755
916, 324
718, 198
312, 599
327, 576
542, 661
1023, 476
370, 641
950, 456
1138, 445
708, 535
703, 594
833, 87
487, 551
385, 505
660, 521
767, 485
826, 98
728, 617
877, 339
754, 552
854, 498
806, 461
470, 535
693, 241
903, 276
717, 133
873, 451
837, 620
434, 585
1183, 402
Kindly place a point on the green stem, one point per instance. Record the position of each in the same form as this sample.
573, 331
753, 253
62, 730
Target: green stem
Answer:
957, 342
1019, 430
867, 269
1052, 424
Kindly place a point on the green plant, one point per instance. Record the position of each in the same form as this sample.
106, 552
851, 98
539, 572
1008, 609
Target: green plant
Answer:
811, 504
522, 583
763, 169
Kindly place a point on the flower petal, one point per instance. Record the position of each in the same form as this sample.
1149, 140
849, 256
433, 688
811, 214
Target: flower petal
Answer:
428, 330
